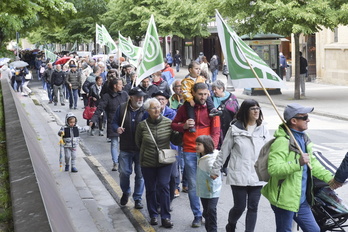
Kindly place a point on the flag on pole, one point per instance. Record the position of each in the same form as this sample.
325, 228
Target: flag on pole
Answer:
74, 47
109, 42
50, 55
241, 74
99, 38
152, 58
131, 51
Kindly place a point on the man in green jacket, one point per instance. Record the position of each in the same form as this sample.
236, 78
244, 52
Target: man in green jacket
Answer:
290, 188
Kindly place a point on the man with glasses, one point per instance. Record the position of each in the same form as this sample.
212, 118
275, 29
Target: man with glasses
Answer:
290, 189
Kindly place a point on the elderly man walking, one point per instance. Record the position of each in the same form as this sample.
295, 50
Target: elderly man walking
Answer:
129, 152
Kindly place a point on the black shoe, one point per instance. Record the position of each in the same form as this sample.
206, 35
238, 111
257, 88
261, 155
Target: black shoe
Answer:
124, 199
197, 222
73, 169
62, 104
154, 221
55, 103
214, 112
66, 168
192, 129
115, 167
167, 223
138, 204
75, 108
50, 102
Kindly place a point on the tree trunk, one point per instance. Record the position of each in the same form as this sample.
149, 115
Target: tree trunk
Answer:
297, 66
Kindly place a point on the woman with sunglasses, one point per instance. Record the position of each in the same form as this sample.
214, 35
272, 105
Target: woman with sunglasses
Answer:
242, 143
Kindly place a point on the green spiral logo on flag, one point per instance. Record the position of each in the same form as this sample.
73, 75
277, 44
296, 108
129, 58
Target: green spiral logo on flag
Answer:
152, 60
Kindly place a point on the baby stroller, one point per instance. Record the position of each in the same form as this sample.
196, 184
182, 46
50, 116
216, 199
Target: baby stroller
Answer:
329, 210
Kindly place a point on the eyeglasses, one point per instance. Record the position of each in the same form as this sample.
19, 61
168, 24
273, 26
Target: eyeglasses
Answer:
304, 118
255, 108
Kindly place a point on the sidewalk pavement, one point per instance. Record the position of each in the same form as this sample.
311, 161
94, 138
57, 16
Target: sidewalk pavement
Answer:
91, 207
327, 100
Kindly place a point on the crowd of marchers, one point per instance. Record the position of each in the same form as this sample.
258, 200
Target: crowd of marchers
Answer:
212, 134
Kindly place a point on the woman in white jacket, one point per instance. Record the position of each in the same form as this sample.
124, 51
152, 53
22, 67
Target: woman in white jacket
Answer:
242, 143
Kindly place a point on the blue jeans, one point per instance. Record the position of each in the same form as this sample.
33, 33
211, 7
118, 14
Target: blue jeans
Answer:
304, 218
157, 189
177, 67
114, 149
126, 160
190, 170
73, 98
49, 91
210, 213
214, 75
245, 196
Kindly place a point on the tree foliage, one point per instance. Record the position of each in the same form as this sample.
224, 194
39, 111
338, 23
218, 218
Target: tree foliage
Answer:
21, 15
285, 17
175, 17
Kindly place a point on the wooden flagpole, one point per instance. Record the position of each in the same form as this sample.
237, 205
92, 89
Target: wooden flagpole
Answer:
274, 106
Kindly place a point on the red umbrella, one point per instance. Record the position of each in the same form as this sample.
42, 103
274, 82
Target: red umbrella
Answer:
63, 60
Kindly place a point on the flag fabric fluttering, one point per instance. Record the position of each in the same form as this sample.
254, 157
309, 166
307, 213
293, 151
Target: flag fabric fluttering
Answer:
50, 55
74, 47
152, 58
108, 41
236, 52
131, 51
99, 35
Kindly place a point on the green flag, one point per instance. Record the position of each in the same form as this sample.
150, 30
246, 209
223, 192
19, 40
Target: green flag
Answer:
99, 35
152, 58
235, 51
109, 42
131, 51
74, 47
50, 55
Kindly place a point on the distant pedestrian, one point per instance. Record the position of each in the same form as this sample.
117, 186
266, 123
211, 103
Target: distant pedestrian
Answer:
207, 188
47, 76
199, 58
73, 81
205, 67
303, 74
58, 83
161, 84
214, 67
94, 97
71, 137
169, 59
282, 65
242, 143
177, 60
108, 104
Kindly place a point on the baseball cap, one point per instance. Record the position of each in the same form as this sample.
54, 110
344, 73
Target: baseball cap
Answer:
160, 93
293, 109
136, 91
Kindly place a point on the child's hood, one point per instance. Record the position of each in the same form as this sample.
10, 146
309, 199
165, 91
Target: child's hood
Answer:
206, 162
70, 115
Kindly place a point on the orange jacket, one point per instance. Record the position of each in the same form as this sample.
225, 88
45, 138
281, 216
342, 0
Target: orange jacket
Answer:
205, 125
187, 86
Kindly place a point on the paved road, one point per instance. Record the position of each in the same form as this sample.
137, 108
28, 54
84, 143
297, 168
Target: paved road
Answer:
328, 134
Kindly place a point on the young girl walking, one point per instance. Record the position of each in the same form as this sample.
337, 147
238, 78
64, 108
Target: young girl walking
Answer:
208, 189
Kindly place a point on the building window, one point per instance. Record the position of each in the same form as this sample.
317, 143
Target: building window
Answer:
336, 35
